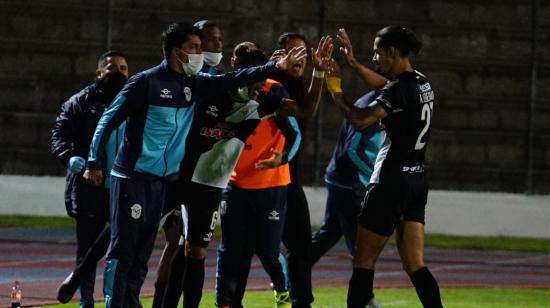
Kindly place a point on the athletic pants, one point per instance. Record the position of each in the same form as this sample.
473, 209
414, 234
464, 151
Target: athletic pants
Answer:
297, 240
136, 208
252, 221
342, 208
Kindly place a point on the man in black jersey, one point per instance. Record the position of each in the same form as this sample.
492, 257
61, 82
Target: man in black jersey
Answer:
297, 228
398, 194
217, 134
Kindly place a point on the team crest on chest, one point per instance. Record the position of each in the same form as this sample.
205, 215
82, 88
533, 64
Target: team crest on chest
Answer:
187, 92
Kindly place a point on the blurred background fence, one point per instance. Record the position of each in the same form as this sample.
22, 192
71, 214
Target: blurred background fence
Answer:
489, 62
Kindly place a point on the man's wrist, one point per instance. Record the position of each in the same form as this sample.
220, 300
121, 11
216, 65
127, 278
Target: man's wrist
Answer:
278, 65
318, 73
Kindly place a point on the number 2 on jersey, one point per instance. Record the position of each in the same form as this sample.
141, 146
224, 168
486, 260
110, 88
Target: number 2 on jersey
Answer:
425, 115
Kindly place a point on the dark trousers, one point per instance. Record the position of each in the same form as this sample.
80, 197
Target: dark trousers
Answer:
297, 240
136, 208
88, 230
252, 221
342, 208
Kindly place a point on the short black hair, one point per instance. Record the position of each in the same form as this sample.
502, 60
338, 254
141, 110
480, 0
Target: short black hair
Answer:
176, 34
246, 57
102, 61
401, 38
287, 36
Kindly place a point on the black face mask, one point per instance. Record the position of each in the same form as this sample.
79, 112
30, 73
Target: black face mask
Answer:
111, 84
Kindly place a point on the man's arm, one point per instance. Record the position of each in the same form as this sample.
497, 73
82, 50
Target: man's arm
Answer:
321, 62
63, 131
130, 99
373, 80
293, 137
360, 118
246, 76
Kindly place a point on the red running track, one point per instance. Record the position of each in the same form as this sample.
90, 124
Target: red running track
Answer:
42, 258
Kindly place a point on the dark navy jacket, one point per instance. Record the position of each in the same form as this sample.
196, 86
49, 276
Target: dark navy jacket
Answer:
354, 155
158, 105
71, 136
297, 89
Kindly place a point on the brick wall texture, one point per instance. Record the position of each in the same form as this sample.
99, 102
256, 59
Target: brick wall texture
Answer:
477, 54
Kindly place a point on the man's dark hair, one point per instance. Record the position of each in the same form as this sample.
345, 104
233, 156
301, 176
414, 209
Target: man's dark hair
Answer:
205, 23
287, 36
401, 38
175, 35
244, 57
102, 61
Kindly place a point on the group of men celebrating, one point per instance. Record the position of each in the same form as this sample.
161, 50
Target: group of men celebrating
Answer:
182, 144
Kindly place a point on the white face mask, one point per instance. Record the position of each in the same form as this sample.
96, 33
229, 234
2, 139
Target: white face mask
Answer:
194, 65
212, 58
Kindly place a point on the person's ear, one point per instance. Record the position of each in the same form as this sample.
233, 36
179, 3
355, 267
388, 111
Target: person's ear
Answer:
98, 73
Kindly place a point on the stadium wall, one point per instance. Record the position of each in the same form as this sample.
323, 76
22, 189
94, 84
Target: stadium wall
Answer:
447, 212
493, 96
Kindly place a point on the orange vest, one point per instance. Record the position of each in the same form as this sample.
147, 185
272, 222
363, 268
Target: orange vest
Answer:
258, 146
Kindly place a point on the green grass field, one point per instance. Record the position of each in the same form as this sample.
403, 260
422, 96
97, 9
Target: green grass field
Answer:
433, 240
458, 298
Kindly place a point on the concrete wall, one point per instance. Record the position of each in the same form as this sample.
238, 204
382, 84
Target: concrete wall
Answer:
447, 212
477, 55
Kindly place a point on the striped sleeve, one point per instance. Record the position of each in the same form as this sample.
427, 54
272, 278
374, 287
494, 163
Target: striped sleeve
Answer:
293, 136
363, 149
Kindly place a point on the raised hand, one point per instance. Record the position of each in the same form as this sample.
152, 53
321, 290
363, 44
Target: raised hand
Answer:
294, 56
321, 57
278, 55
346, 49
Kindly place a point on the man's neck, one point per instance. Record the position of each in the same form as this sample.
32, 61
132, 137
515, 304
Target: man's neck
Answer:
404, 65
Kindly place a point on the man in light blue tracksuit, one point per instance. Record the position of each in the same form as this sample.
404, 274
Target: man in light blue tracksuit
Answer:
347, 177
158, 105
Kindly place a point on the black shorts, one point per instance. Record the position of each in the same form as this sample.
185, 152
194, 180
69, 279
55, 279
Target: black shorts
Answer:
394, 199
171, 212
200, 213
